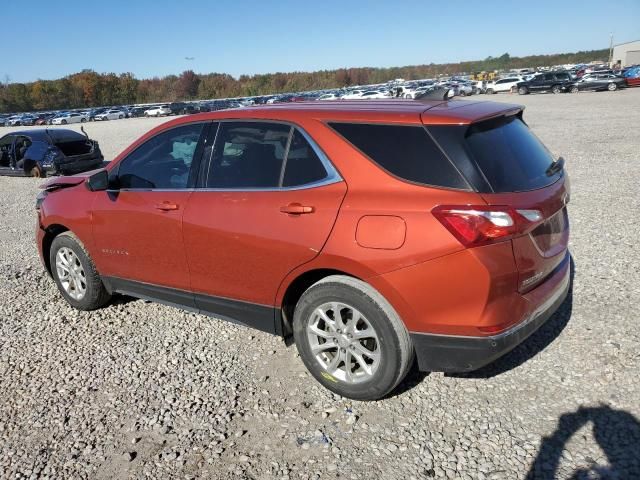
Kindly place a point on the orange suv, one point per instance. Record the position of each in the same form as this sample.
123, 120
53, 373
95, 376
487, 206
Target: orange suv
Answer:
370, 233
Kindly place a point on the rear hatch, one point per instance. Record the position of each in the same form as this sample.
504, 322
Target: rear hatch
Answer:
521, 172
510, 167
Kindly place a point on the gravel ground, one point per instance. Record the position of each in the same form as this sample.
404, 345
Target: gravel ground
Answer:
138, 390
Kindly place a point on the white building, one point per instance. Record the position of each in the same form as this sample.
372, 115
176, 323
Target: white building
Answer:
627, 53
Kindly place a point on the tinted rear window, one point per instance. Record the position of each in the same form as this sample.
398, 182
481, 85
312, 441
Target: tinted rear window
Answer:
407, 152
511, 157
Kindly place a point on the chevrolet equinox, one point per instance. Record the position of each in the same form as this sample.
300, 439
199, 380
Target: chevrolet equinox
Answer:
370, 233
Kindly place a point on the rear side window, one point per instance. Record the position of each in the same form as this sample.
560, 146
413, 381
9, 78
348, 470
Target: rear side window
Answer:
511, 158
303, 165
407, 152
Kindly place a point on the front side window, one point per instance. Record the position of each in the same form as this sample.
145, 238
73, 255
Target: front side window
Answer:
248, 155
162, 162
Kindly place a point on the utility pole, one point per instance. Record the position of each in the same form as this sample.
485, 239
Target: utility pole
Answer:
610, 50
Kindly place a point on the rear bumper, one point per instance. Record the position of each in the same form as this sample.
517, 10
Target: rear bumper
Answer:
453, 353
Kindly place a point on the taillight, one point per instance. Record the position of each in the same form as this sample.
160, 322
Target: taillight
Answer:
475, 225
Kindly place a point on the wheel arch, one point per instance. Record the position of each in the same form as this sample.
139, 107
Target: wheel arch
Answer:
294, 290
51, 232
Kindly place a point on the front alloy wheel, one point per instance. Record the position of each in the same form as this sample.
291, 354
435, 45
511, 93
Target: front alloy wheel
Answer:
71, 274
75, 273
612, 87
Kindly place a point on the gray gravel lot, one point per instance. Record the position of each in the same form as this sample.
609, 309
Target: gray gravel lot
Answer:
138, 390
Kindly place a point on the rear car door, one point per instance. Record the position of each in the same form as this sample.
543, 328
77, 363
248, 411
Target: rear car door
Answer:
268, 202
137, 223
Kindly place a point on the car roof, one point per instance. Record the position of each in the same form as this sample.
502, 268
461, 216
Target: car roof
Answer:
385, 110
57, 134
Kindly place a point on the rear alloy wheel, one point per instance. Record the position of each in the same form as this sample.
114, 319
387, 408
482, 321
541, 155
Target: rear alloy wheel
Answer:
490, 91
556, 89
575, 90
523, 90
612, 87
120, 117
75, 274
350, 338
63, 122
82, 120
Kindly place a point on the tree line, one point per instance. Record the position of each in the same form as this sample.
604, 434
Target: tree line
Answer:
91, 89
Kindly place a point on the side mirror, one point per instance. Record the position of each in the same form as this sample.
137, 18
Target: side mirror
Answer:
98, 181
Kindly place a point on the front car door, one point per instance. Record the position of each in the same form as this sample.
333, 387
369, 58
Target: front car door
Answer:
137, 223
269, 200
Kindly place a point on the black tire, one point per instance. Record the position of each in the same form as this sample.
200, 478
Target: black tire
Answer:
612, 87
556, 89
120, 117
37, 172
575, 90
395, 347
523, 90
96, 295
63, 122
82, 120
490, 91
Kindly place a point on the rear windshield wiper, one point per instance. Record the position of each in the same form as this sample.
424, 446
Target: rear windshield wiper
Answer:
555, 167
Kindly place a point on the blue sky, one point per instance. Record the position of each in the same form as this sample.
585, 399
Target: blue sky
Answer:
49, 39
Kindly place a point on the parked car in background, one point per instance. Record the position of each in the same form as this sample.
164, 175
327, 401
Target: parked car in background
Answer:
243, 215
419, 91
158, 111
481, 86
554, 82
39, 152
111, 114
182, 108
631, 76
503, 85
73, 117
597, 82
20, 120
329, 96
353, 94
466, 88
44, 118
137, 112
374, 94
96, 111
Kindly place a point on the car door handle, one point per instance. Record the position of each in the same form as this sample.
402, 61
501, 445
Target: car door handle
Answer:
167, 206
296, 209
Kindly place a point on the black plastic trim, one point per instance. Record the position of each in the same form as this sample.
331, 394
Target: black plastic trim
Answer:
457, 354
260, 317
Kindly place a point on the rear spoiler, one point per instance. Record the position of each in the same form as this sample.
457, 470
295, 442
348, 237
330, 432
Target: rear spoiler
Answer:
466, 112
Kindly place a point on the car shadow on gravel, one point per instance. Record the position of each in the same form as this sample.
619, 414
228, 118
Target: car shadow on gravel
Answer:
533, 345
617, 433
